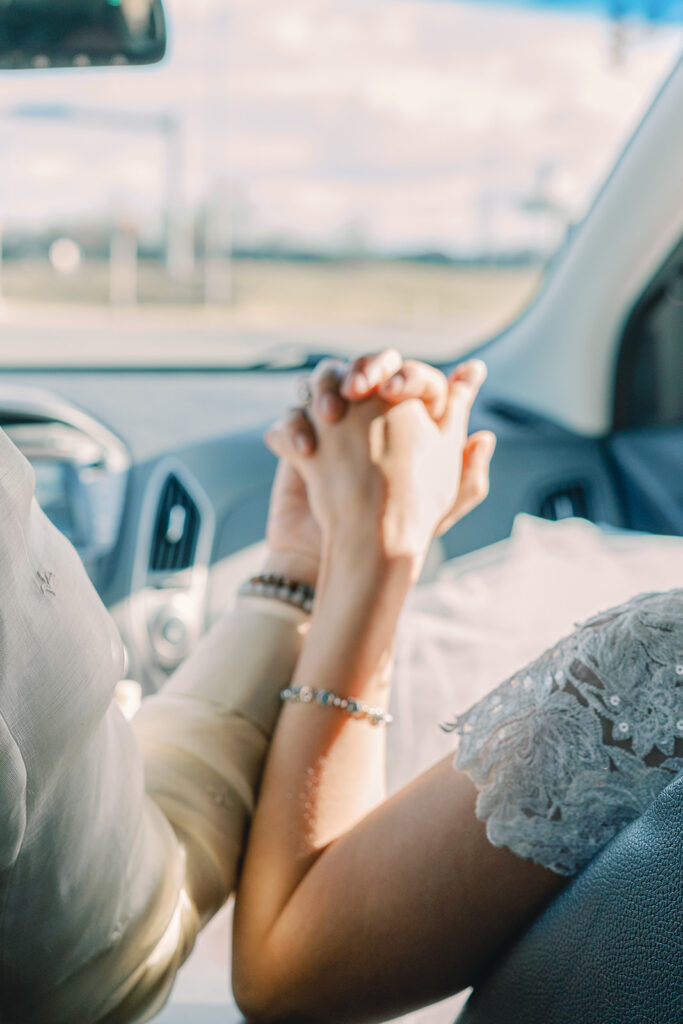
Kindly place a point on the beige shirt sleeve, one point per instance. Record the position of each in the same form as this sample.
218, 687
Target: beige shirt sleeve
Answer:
203, 740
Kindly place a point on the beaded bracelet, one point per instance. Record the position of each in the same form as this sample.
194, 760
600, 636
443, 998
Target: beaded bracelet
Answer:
301, 595
326, 699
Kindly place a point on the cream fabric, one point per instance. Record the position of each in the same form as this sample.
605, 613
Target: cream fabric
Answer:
118, 840
493, 611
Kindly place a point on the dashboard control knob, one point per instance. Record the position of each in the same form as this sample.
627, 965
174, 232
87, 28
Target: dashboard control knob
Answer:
174, 631
170, 633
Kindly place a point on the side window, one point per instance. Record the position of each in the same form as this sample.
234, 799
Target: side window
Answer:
649, 382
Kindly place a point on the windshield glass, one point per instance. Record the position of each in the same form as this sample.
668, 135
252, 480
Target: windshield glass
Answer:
310, 176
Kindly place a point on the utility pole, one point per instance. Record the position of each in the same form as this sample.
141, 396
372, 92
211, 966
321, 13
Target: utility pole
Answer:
179, 229
217, 226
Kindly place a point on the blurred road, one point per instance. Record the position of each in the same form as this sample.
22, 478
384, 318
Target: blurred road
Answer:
103, 337
437, 312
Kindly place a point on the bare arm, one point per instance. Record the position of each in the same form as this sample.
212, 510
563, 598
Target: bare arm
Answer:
347, 919
349, 909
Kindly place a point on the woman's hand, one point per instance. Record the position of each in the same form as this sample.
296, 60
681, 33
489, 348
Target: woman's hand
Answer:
293, 533
392, 475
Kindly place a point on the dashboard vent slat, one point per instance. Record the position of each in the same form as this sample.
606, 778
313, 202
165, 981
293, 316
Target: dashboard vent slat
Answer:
176, 529
571, 500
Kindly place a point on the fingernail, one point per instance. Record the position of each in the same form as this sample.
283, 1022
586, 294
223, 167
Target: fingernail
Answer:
359, 382
303, 443
330, 404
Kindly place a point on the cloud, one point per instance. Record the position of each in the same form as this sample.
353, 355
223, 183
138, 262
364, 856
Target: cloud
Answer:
430, 124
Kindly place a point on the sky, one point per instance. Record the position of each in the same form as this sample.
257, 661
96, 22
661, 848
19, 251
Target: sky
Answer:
394, 125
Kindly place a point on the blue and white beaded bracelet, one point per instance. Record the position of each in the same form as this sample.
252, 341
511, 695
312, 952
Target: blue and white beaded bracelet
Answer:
326, 699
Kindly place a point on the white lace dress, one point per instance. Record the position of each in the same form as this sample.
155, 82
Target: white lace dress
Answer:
568, 751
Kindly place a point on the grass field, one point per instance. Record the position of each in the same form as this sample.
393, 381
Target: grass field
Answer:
423, 309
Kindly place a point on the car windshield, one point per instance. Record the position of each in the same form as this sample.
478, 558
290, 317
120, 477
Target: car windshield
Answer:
311, 176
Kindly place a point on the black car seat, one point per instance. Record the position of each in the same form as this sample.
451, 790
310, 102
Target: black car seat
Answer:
609, 949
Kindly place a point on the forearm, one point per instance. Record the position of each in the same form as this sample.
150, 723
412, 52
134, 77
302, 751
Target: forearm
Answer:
325, 769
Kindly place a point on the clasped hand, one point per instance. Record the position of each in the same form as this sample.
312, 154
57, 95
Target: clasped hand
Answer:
378, 460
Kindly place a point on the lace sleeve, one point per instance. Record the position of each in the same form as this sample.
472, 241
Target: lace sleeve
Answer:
571, 749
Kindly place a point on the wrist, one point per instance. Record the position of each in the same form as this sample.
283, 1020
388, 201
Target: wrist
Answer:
359, 600
294, 565
359, 564
371, 555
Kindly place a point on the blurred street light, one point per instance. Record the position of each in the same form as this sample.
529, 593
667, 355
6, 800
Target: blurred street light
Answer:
65, 256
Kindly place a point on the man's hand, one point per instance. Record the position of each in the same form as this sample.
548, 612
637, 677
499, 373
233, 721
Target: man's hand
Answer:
292, 533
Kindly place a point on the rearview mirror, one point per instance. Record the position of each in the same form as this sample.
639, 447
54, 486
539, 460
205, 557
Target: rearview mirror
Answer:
80, 33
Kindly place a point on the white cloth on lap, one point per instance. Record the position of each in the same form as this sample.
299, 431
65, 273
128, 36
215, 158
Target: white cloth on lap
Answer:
494, 611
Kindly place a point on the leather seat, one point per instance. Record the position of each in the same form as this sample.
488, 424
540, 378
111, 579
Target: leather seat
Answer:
609, 949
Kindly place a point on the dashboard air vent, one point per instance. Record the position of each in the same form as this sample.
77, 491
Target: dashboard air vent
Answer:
565, 502
176, 529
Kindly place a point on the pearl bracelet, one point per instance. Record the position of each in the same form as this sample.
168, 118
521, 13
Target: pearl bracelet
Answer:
326, 699
293, 592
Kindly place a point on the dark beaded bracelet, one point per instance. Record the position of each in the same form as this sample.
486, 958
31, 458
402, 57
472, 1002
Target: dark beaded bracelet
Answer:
293, 592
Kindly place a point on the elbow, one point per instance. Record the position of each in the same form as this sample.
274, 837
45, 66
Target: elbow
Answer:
256, 1010
254, 996
251, 1002
261, 1000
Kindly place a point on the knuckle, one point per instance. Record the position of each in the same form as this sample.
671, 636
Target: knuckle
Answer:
390, 355
295, 418
410, 370
381, 365
324, 365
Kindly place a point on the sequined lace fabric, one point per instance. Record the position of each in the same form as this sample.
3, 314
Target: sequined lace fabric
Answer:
570, 750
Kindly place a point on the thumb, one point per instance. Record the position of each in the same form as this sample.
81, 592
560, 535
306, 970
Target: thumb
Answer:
275, 440
464, 384
292, 436
474, 480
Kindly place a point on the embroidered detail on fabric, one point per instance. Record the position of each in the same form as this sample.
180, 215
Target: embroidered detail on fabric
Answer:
46, 580
572, 749
219, 796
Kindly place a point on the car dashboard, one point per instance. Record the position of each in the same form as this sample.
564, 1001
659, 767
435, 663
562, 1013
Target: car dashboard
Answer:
160, 479
152, 489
